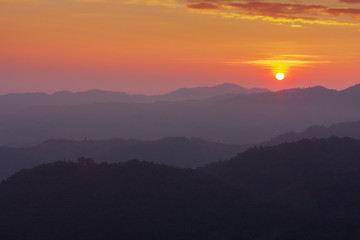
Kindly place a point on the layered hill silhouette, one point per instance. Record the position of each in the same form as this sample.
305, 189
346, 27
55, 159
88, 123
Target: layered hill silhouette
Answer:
180, 152
303, 190
12, 103
239, 119
174, 151
345, 129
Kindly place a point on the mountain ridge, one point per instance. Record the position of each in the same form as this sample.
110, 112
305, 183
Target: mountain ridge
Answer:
10, 103
233, 118
343, 129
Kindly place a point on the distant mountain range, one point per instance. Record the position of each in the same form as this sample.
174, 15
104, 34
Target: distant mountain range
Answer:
304, 190
12, 103
231, 118
208, 92
180, 152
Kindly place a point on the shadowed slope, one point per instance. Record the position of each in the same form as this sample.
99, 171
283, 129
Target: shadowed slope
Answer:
304, 190
345, 129
134, 200
180, 152
313, 173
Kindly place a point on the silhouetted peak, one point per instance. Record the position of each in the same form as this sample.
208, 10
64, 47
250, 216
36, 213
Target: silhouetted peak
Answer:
229, 85
352, 90
214, 91
185, 90
63, 93
97, 91
320, 90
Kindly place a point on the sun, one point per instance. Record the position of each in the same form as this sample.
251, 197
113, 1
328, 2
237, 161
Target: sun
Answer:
280, 76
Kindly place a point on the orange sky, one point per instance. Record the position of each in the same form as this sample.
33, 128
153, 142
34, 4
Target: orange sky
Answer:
149, 46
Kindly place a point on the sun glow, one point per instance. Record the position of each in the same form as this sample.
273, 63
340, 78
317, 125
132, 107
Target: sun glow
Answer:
281, 65
280, 76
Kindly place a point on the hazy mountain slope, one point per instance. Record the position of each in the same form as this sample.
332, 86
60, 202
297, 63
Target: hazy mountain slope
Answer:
180, 152
11, 103
235, 119
207, 92
313, 173
345, 129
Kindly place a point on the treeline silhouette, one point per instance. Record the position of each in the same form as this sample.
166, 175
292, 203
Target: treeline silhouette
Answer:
303, 190
133, 200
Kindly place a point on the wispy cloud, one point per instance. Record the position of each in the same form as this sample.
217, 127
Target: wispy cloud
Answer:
284, 62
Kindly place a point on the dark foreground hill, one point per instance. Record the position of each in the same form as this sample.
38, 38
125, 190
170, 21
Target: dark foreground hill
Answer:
321, 176
134, 200
176, 151
304, 190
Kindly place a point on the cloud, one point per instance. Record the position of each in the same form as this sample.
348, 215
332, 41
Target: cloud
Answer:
203, 6
344, 11
293, 13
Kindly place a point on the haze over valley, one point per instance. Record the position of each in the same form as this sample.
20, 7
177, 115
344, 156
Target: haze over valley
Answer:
224, 117
179, 120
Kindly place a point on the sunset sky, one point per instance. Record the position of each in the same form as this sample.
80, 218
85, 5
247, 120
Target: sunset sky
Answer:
153, 46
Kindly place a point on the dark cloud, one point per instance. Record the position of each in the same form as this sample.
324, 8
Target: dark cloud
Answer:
350, 1
344, 11
281, 12
204, 5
